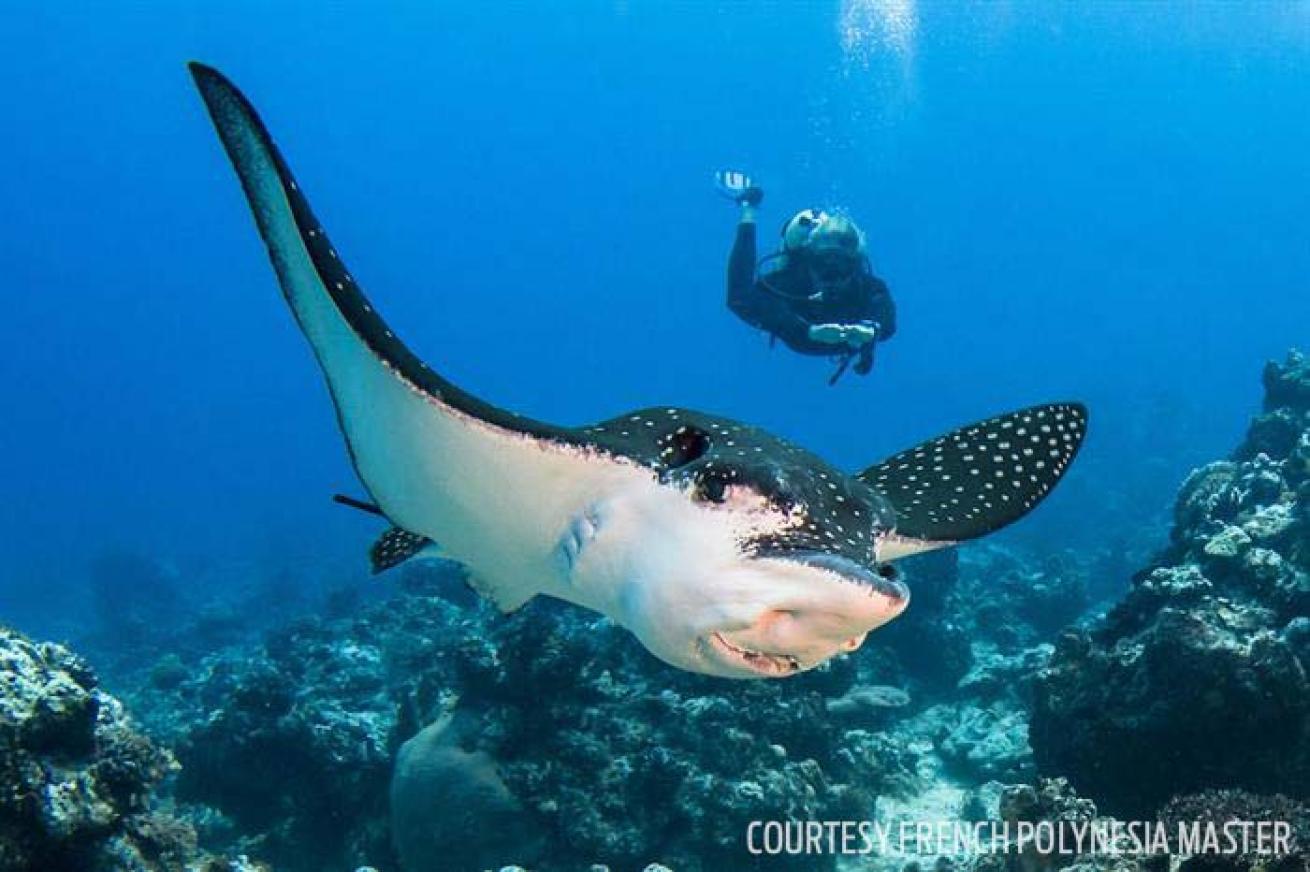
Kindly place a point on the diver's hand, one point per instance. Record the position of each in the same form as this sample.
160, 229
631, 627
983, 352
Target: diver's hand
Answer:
828, 334
738, 187
860, 335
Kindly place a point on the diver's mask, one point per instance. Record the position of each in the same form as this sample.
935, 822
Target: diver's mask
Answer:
815, 231
830, 245
801, 228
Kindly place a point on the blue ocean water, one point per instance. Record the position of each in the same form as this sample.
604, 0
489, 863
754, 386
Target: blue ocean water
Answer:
1101, 202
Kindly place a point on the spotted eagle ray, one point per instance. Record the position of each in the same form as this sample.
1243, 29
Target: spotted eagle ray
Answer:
724, 549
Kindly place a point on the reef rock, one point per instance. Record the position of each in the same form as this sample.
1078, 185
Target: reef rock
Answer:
865, 702
1198, 678
289, 744
1219, 807
991, 743
450, 809
1052, 803
76, 777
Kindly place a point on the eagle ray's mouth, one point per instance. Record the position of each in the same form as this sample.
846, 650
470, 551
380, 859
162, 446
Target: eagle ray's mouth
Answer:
758, 661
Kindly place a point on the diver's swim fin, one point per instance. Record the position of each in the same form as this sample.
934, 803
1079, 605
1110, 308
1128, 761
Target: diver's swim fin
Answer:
977, 479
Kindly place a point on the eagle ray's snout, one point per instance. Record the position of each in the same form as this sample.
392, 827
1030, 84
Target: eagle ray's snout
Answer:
888, 585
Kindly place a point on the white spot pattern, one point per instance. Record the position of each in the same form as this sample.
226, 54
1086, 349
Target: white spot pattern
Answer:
998, 450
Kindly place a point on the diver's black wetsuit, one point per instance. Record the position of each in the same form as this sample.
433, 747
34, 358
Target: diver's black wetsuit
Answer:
783, 307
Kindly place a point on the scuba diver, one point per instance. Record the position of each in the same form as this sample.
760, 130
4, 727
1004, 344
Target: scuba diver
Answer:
818, 294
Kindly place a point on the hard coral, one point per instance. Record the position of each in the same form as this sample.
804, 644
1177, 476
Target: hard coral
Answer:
1198, 677
76, 777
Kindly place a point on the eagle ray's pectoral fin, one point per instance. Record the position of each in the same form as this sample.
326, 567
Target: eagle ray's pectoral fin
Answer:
392, 408
977, 479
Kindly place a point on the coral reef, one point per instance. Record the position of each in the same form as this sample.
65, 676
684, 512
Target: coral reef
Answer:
1218, 807
288, 743
930, 641
76, 777
991, 612
1013, 601
1049, 801
551, 720
1198, 678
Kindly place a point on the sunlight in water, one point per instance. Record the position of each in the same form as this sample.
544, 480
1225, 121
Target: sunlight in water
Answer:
872, 86
869, 27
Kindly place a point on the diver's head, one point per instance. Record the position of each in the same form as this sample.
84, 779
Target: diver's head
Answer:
830, 242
